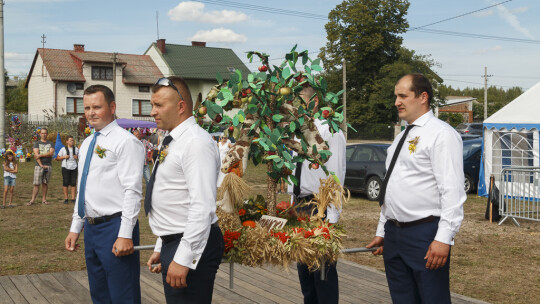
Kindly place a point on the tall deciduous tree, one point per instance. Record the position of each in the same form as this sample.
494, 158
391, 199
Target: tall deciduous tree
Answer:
365, 33
17, 98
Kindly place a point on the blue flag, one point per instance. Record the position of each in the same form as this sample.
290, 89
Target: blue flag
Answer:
58, 145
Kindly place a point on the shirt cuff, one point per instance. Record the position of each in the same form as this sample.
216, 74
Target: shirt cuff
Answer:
76, 225
185, 257
380, 228
126, 230
445, 236
157, 247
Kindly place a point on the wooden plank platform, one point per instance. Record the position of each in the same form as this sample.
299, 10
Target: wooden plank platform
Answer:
357, 284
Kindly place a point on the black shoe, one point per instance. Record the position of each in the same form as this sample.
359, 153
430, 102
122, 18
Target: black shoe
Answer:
73, 201
66, 201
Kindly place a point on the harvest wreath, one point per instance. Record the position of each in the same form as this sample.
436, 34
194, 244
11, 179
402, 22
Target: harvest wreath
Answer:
305, 239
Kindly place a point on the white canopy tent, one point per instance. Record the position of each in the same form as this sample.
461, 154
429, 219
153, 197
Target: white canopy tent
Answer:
511, 138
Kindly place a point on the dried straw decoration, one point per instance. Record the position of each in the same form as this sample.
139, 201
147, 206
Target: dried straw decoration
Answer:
238, 190
330, 192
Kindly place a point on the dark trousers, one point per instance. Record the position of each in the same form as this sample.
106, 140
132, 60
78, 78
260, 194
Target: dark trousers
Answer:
112, 279
200, 282
408, 278
315, 290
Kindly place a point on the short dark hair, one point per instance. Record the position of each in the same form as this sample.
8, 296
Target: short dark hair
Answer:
107, 93
43, 128
181, 85
68, 137
420, 84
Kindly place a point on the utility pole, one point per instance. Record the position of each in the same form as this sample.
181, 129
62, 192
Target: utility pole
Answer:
114, 59
485, 91
3, 81
344, 126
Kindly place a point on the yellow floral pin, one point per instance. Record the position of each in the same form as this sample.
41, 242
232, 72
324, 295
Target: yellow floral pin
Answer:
163, 154
100, 151
412, 144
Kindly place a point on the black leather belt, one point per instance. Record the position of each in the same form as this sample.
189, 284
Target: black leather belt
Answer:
428, 219
173, 237
103, 219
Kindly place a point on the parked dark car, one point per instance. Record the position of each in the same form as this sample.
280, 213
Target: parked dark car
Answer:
366, 168
472, 154
474, 128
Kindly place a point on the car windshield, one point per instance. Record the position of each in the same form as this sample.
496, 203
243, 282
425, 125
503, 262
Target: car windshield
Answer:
470, 147
461, 127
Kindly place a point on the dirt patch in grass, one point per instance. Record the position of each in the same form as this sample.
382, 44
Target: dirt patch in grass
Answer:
499, 264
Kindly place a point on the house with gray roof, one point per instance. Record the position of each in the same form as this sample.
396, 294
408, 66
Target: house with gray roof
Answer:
57, 80
196, 63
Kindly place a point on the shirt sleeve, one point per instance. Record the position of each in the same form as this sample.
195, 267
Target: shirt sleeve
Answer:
447, 163
62, 152
157, 247
201, 164
380, 226
130, 167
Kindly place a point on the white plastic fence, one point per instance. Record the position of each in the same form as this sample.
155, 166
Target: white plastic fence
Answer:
519, 194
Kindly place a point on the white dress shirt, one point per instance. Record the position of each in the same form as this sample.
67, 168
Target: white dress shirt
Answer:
310, 178
428, 181
71, 162
114, 182
184, 195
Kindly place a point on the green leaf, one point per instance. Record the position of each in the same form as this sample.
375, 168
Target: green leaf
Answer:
325, 154
292, 126
270, 157
351, 127
304, 58
286, 72
252, 109
288, 157
334, 126
294, 48
336, 178
255, 125
219, 78
316, 68
304, 146
262, 76
339, 93
308, 69
274, 79
251, 77
235, 120
227, 95
277, 117
293, 179
301, 121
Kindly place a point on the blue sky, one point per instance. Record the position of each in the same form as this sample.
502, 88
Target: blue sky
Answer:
130, 27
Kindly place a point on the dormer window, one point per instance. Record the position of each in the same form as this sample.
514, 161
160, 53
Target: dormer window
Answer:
102, 73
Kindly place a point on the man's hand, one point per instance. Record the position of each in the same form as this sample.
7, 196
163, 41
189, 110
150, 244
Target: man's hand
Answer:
176, 275
122, 247
155, 258
71, 241
437, 255
377, 242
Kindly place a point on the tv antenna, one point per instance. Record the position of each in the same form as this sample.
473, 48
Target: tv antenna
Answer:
157, 24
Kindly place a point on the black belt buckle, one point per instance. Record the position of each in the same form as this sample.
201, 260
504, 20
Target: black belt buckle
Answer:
90, 220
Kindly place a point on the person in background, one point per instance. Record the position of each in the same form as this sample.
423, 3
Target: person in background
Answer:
148, 150
10, 171
224, 145
43, 152
69, 155
315, 289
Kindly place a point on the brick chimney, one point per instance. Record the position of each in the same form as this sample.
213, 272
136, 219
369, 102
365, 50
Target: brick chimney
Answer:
78, 48
198, 43
161, 45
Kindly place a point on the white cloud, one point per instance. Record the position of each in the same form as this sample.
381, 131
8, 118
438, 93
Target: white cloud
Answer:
219, 35
194, 11
513, 21
487, 50
518, 10
483, 13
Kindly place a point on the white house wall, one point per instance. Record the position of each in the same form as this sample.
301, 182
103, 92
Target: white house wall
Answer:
40, 92
158, 61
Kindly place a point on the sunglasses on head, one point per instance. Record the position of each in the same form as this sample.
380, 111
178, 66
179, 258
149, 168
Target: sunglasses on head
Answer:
166, 82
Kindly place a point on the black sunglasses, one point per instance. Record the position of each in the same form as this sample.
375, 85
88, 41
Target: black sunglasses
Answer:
166, 82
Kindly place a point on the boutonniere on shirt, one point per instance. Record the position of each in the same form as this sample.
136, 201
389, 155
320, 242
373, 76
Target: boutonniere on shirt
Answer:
100, 151
412, 144
163, 154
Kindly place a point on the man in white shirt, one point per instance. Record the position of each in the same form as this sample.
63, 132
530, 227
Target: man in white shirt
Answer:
110, 191
315, 289
181, 198
422, 199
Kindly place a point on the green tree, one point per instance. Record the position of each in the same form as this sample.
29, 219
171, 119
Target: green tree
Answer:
17, 98
366, 34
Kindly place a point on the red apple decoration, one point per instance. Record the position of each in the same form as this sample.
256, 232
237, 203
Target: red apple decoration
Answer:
231, 128
325, 113
314, 166
263, 68
202, 110
218, 118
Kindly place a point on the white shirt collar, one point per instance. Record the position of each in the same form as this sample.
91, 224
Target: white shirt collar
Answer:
108, 128
182, 127
422, 120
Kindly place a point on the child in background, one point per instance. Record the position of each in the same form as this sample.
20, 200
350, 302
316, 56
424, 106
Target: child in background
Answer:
69, 155
10, 170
